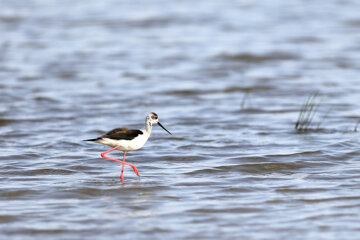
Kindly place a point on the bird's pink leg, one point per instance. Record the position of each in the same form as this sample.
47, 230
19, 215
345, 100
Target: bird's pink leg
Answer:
103, 155
122, 168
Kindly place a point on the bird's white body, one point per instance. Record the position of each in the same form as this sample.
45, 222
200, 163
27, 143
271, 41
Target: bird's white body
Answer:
127, 145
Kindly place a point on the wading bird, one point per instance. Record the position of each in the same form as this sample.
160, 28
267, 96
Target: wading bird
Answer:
126, 140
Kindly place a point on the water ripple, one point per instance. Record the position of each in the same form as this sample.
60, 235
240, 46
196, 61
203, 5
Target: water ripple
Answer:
227, 78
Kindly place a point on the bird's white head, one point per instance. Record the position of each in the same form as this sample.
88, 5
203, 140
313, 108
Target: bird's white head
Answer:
152, 118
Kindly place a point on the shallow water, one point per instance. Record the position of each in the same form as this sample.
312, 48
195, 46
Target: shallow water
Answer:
227, 78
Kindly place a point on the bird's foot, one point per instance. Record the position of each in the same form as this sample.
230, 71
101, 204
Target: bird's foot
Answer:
135, 170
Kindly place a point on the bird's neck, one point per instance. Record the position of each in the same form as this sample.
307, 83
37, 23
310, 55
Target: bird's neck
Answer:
148, 127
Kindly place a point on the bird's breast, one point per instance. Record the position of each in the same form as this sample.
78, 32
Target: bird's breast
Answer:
137, 142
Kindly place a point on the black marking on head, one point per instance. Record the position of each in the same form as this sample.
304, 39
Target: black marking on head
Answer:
154, 115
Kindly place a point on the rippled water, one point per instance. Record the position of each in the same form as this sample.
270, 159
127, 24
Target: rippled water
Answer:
227, 78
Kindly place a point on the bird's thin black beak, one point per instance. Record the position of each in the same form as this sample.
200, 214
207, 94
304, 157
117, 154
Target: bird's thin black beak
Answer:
164, 128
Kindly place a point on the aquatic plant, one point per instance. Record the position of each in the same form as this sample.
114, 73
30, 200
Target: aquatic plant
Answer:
309, 109
356, 126
244, 100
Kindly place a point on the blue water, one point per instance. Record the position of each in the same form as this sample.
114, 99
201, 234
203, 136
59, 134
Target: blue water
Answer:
227, 78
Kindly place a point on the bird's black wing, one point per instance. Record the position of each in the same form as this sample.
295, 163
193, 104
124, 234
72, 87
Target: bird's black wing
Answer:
116, 130
122, 134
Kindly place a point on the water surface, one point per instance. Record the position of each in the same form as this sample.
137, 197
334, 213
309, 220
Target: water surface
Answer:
227, 78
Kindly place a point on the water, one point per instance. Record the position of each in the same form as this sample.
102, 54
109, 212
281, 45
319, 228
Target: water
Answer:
227, 78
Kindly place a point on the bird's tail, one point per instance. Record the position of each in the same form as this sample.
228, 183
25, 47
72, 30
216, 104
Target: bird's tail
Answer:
91, 140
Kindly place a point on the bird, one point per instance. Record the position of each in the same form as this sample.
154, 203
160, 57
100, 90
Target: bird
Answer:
126, 140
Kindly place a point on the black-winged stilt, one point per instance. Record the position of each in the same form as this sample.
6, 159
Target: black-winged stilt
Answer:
126, 140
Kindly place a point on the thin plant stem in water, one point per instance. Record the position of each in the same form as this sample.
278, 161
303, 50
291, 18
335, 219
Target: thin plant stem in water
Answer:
307, 113
244, 100
356, 126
